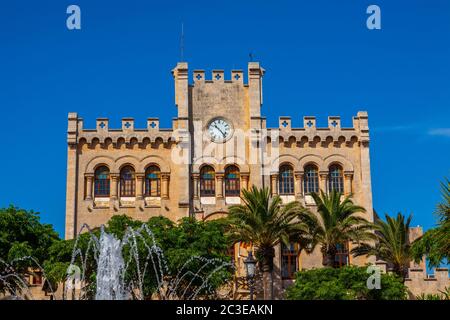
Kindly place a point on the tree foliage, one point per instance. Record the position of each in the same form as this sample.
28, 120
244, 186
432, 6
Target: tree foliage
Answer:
335, 224
392, 243
435, 243
24, 244
264, 222
347, 283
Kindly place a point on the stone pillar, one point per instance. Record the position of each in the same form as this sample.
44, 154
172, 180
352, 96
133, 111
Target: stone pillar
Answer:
219, 187
165, 186
323, 177
244, 179
196, 179
348, 177
255, 75
273, 184
114, 186
89, 182
140, 186
72, 178
298, 184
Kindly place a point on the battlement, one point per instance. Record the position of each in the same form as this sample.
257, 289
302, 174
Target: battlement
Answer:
332, 133
218, 75
359, 132
419, 282
128, 133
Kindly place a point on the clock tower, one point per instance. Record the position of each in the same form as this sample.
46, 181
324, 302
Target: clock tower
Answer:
223, 114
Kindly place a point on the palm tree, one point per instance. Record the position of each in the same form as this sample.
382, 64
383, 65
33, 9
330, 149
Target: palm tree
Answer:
435, 243
264, 222
392, 243
335, 223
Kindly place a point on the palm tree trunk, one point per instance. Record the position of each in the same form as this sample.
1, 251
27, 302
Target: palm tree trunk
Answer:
268, 285
328, 260
267, 267
328, 257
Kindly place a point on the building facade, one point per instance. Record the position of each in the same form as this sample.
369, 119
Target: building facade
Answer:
218, 145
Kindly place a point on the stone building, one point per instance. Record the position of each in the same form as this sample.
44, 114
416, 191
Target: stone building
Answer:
218, 145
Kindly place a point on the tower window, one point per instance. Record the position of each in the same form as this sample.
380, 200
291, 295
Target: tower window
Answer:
286, 180
102, 182
207, 182
232, 181
153, 182
335, 179
127, 182
311, 179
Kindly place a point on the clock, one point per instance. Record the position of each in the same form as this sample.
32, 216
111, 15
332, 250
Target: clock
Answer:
219, 130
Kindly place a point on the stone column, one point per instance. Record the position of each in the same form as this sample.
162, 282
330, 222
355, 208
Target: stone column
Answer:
165, 186
348, 177
273, 184
89, 182
219, 187
196, 179
323, 177
140, 186
244, 179
114, 186
298, 184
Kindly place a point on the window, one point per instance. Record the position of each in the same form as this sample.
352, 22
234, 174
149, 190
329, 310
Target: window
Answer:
153, 182
335, 179
101, 184
311, 183
37, 278
127, 182
232, 182
286, 180
341, 258
289, 260
207, 182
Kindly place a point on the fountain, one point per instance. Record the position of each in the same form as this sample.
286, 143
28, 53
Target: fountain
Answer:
133, 267
110, 269
122, 276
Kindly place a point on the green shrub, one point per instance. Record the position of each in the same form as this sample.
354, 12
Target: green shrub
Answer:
347, 283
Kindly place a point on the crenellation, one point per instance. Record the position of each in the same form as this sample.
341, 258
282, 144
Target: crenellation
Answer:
102, 124
334, 123
419, 282
309, 123
218, 76
127, 125
153, 124
237, 76
284, 123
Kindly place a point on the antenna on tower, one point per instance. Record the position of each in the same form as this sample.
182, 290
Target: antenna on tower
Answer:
182, 42
250, 55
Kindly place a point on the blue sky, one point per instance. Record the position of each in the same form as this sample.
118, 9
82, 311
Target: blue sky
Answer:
320, 59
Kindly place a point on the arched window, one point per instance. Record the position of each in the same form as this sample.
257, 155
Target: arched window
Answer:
336, 179
286, 179
311, 179
127, 182
289, 260
101, 184
232, 182
207, 182
153, 181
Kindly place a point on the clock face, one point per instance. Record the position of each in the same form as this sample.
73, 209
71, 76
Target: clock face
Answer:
219, 130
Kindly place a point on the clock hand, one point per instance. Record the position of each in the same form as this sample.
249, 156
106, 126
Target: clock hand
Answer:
223, 134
